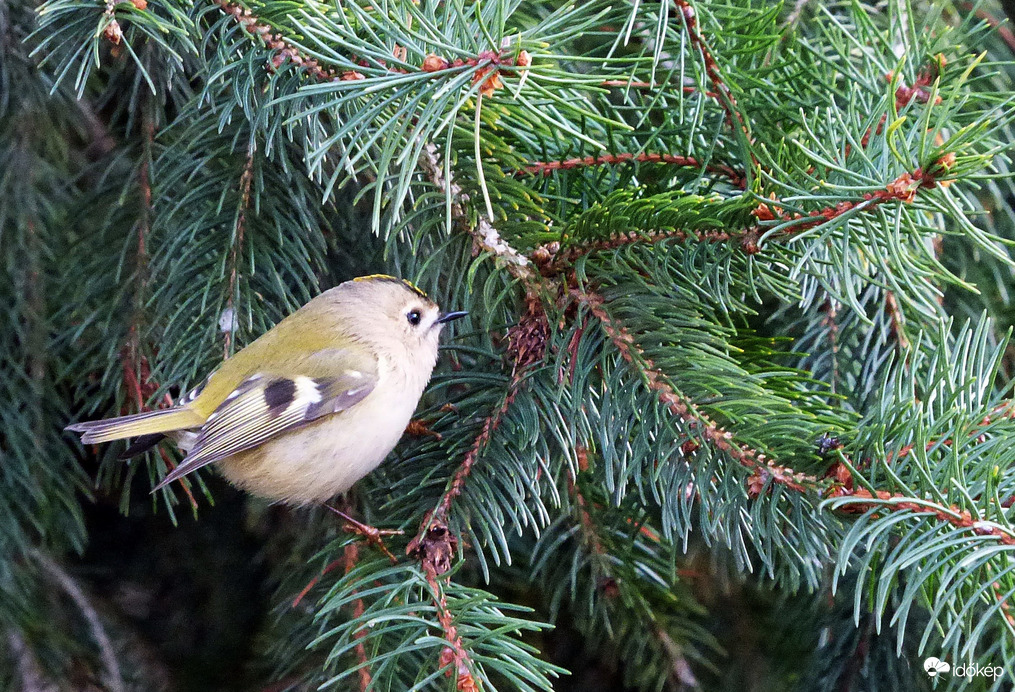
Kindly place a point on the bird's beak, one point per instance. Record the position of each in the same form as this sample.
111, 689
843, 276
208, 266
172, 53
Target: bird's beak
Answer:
448, 316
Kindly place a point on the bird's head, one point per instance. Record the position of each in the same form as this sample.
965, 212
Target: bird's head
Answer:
394, 316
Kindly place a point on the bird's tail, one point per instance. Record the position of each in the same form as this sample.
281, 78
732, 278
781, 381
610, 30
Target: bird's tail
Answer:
147, 423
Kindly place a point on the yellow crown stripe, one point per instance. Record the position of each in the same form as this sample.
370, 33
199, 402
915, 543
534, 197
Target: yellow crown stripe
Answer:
387, 277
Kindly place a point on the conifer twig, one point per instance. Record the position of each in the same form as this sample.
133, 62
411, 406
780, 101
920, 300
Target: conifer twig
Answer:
719, 86
545, 168
276, 42
552, 257
350, 555
454, 654
246, 180
584, 518
764, 468
489, 62
882, 500
526, 346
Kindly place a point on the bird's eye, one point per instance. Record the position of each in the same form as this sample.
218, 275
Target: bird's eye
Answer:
414, 317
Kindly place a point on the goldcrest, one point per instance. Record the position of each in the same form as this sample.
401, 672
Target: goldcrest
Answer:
311, 406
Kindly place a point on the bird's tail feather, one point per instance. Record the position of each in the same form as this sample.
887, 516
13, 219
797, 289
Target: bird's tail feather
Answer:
147, 423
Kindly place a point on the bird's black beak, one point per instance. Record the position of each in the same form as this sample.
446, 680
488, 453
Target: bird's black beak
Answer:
448, 316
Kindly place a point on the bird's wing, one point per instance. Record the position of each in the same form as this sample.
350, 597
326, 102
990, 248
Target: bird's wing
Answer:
265, 405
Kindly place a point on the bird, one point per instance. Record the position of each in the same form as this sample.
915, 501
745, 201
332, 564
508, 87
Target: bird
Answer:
310, 407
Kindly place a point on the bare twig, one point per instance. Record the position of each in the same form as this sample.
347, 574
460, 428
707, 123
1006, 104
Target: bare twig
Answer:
29, 673
484, 235
113, 680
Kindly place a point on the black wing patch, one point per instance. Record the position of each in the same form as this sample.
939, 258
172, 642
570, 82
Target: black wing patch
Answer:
264, 406
279, 394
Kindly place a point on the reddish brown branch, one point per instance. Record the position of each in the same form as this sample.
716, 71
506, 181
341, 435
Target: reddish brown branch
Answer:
485, 434
526, 346
902, 189
764, 469
719, 86
1003, 29
313, 582
350, 555
957, 517
454, 654
588, 527
545, 168
904, 94
552, 258
489, 62
276, 42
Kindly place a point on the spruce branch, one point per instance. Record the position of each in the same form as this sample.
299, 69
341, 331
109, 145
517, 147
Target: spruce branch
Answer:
350, 556
546, 168
283, 50
454, 654
765, 470
861, 500
488, 63
774, 224
526, 347
734, 117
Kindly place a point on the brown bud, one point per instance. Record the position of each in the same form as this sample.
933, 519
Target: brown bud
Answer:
524, 59
434, 63
352, 76
141, 5
489, 79
113, 32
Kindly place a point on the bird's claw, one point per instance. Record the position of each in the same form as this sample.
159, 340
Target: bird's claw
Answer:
371, 534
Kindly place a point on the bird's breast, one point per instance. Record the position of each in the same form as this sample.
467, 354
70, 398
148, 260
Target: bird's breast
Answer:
313, 463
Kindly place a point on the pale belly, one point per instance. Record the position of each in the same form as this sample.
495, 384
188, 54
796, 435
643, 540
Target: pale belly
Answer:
322, 459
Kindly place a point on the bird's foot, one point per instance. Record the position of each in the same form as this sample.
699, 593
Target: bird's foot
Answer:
371, 534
